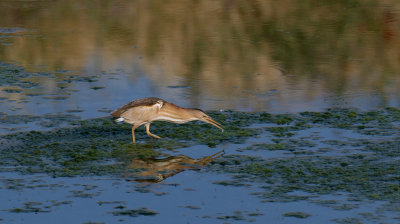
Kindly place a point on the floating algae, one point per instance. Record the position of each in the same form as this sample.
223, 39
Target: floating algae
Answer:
135, 212
301, 215
289, 158
360, 165
313, 163
89, 147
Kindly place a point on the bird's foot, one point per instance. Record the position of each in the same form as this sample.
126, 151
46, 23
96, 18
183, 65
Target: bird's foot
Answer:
153, 135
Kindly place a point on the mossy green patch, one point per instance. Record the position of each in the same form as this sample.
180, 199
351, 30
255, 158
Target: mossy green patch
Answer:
14, 76
101, 146
31, 207
353, 118
355, 161
84, 149
135, 212
364, 176
301, 215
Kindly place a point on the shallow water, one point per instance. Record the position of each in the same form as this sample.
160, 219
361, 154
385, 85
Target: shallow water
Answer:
194, 200
293, 168
64, 65
242, 55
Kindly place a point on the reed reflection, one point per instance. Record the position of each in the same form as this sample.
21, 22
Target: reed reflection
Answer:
219, 47
156, 170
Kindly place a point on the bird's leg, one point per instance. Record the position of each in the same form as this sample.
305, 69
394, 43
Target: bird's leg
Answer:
133, 133
149, 133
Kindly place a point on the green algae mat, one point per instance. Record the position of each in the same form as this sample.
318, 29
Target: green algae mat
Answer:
339, 165
338, 150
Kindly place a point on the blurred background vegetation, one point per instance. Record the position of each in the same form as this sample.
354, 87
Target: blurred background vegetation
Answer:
223, 50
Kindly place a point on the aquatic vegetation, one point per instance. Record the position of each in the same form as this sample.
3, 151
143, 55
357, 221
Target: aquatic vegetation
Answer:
316, 153
301, 215
89, 147
326, 175
357, 164
11, 76
135, 212
38, 207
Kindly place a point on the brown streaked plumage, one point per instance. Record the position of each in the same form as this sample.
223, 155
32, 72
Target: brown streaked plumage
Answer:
146, 110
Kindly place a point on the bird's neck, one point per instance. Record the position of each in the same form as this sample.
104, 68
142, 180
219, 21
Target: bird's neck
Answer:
173, 113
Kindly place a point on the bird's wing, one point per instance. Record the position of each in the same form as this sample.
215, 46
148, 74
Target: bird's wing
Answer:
142, 114
151, 101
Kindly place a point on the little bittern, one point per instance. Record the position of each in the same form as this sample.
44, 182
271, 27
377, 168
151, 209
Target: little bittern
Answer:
146, 110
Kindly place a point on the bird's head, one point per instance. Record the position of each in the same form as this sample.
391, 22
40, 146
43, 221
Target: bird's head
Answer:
200, 115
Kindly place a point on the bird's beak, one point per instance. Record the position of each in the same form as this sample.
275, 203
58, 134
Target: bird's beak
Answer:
212, 122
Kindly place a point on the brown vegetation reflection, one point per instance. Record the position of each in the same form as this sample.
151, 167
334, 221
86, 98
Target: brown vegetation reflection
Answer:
217, 47
157, 170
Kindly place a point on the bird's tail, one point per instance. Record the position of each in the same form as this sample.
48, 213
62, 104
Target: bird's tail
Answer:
121, 119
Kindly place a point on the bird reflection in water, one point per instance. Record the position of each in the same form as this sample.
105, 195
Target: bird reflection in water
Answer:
156, 170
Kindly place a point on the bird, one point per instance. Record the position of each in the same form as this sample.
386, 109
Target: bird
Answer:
146, 110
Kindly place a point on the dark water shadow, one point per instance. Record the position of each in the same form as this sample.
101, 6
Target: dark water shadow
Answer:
154, 170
